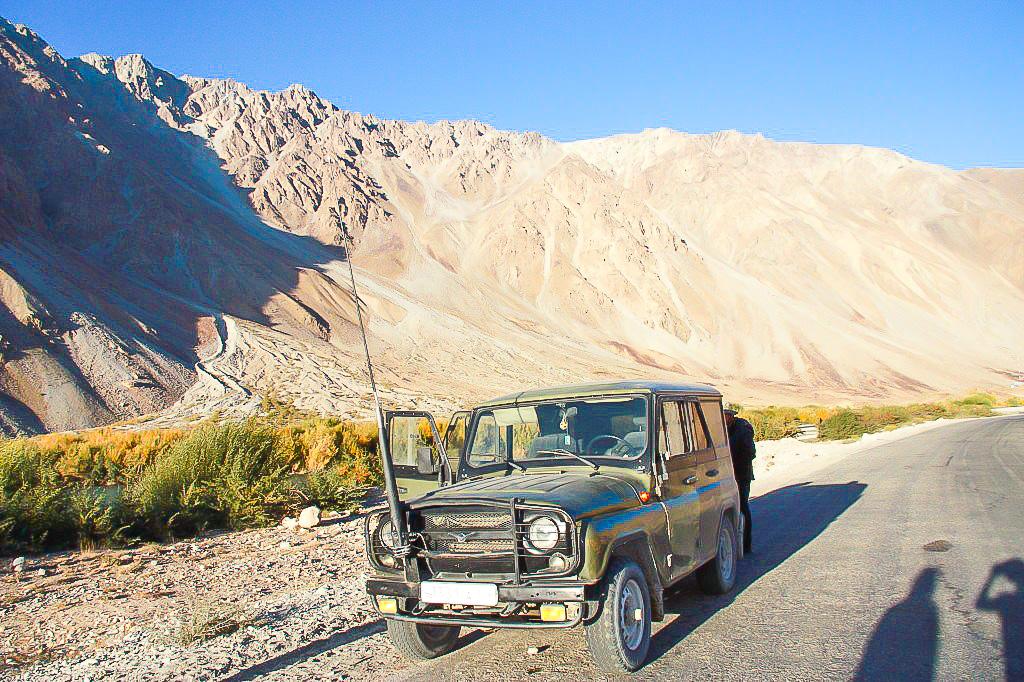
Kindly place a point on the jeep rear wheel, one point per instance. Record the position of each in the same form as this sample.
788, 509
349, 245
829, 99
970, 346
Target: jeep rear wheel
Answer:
718, 576
421, 642
620, 636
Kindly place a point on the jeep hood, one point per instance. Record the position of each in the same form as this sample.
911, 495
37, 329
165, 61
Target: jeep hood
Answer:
581, 494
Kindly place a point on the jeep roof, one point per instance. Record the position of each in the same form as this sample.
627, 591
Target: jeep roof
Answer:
611, 387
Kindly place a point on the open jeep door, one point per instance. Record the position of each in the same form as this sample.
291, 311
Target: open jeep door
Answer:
419, 455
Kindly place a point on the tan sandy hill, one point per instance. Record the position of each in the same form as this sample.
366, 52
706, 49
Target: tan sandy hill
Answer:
176, 243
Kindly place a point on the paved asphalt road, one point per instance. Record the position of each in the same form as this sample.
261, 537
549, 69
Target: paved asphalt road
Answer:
841, 584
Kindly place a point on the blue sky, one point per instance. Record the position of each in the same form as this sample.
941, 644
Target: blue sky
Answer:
939, 81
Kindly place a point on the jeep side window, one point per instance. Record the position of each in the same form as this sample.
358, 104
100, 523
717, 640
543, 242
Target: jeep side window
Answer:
671, 437
715, 420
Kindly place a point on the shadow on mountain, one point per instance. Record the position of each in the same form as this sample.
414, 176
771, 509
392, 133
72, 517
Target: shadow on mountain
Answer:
785, 520
905, 643
108, 212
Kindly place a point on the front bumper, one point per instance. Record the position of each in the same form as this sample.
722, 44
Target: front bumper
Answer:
508, 595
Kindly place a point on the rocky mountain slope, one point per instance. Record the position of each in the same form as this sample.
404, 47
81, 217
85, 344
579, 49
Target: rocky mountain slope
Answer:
174, 244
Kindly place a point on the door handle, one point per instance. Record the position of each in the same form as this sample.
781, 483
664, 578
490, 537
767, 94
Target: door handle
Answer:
690, 480
711, 473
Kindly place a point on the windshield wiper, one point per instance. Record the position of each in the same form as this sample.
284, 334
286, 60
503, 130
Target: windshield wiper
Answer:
563, 451
516, 465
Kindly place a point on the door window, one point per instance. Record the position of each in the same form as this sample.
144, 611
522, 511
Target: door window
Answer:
672, 435
455, 437
489, 441
416, 452
410, 437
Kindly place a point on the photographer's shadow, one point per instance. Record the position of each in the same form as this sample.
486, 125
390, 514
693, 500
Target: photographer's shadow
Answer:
1010, 608
905, 643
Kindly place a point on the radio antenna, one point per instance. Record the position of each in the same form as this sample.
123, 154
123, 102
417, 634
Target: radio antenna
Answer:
362, 327
390, 486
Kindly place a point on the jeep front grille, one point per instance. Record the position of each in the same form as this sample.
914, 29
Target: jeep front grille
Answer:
437, 521
485, 539
472, 531
450, 545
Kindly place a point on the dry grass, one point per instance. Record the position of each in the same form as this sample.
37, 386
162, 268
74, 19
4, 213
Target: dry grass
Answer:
204, 619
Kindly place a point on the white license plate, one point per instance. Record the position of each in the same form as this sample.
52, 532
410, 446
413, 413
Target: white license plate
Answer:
465, 594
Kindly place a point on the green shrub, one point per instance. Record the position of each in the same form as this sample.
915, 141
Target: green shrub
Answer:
878, 418
252, 485
32, 509
173, 494
772, 423
98, 516
843, 424
330, 489
985, 399
225, 475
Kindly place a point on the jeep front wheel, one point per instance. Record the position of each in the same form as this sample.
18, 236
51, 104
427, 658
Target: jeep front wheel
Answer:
718, 576
421, 642
621, 634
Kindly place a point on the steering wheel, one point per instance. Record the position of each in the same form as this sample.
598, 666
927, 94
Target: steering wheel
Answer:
608, 436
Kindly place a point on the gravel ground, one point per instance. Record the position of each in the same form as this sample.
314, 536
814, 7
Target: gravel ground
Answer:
290, 597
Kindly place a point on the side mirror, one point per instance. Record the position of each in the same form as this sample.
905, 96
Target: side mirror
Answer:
425, 460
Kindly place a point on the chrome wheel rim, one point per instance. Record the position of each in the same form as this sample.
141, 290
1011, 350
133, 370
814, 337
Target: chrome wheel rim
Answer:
631, 602
726, 555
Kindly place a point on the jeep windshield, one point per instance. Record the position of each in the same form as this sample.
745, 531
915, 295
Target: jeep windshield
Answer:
587, 431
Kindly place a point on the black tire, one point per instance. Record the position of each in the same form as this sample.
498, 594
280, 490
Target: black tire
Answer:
619, 645
421, 642
718, 576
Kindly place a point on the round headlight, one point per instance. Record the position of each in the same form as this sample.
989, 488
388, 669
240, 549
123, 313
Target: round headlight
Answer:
543, 533
388, 536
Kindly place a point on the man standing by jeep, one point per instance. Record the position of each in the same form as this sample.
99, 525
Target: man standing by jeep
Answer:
742, 448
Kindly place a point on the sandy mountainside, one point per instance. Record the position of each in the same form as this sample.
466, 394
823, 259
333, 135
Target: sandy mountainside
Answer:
175, 245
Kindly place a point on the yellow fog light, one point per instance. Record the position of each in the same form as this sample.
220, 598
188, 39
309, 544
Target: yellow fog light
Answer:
552, 613
387, 604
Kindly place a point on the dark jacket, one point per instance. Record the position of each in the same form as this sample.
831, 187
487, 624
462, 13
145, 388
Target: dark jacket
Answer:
741, 443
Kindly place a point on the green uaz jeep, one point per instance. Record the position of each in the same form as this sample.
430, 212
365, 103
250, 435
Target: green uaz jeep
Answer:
554, 508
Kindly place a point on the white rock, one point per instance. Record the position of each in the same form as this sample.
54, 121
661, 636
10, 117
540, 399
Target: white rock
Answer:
18, 564
309, 517
285, 544
289, 523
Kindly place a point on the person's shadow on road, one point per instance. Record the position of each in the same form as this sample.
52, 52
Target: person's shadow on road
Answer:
1010, 607
784, 520
905, 642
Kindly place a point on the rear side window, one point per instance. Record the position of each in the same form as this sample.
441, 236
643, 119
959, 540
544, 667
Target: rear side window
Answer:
715, 420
